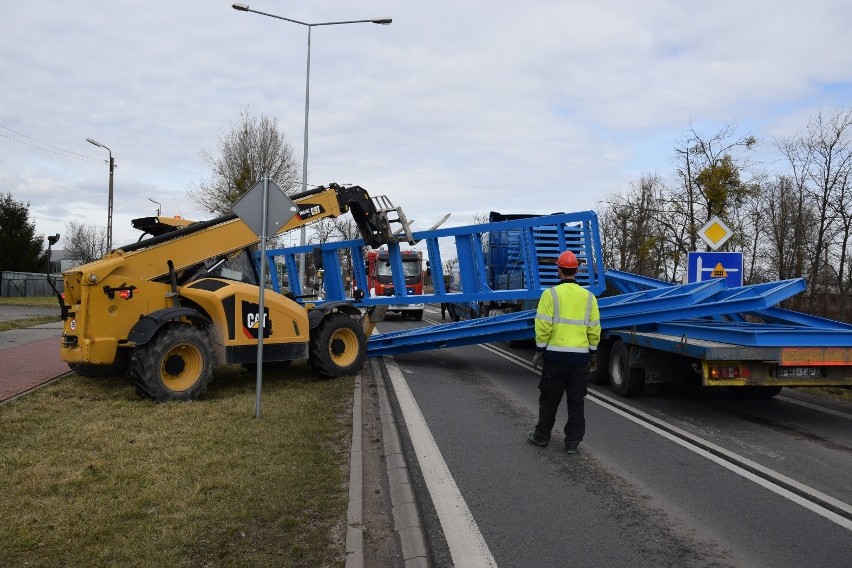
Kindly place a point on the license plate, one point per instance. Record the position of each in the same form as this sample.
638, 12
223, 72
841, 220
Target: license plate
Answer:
798, 372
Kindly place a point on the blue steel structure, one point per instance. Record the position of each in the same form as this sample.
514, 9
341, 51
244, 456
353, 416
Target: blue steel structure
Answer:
536, 261
652, 330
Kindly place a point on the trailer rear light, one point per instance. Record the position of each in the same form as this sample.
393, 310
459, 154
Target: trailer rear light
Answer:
730, 372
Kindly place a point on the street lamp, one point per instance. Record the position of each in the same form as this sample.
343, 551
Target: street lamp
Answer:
51, 240
381, 21
109, 203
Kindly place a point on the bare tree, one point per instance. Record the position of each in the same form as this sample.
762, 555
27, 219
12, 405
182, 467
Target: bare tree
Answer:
480, 218
641, 232
252, 148
785, 227
84, 241
449, 266
820, 159
709, 176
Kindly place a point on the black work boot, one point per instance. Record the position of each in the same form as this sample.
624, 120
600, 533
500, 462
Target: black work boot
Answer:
571, 447
534, 440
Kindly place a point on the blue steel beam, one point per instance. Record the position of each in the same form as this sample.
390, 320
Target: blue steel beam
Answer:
781, 315
614, 315
758, 335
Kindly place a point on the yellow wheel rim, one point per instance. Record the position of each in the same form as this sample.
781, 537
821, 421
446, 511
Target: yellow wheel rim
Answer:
343, 347
181, 367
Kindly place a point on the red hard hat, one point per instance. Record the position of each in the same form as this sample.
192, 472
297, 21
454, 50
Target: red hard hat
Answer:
567, 260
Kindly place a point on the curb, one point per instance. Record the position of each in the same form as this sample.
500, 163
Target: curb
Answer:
406, 516
355, 512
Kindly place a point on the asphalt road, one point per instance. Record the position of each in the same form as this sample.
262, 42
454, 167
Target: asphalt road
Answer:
635, 495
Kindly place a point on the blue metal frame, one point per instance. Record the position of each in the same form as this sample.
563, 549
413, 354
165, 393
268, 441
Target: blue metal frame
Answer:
578, 231
628, 312
702, 311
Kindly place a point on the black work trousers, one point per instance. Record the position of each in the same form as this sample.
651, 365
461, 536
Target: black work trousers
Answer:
557, 378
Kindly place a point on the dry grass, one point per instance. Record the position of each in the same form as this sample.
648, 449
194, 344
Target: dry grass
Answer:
841, 392
48, 301
93, 476
27, 322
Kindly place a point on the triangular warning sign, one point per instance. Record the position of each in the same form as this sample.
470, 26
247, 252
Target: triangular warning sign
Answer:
719, 271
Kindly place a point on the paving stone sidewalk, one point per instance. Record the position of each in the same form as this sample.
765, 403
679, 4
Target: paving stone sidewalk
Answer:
28, 358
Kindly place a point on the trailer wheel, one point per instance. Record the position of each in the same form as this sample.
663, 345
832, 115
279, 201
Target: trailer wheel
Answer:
177, 364
624, 380
754, 391
418, 315
600, 376
338, 346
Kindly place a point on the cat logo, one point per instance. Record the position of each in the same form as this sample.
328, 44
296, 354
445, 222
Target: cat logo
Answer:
251, 320
308, 211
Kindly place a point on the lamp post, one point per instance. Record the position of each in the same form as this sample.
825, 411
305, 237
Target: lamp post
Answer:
51, 240
382, 21
109, 203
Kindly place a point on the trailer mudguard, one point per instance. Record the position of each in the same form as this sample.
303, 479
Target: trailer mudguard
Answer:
148, 325
316, 315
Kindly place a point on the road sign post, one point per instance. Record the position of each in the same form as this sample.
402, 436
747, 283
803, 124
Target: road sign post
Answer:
263, 208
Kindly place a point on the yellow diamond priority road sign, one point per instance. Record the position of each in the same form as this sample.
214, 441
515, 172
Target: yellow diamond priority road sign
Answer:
715, 233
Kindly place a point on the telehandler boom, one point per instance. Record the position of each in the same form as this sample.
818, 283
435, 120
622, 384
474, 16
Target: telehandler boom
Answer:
170, 307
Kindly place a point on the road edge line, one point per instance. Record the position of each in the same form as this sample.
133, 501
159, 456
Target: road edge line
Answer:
466, 543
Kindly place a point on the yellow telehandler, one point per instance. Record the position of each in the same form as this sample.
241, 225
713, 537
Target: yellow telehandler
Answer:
170, 307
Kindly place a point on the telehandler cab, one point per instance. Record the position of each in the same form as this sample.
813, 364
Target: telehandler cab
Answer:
171, 307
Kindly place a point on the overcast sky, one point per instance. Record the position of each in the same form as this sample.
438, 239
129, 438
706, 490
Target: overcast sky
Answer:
460, 107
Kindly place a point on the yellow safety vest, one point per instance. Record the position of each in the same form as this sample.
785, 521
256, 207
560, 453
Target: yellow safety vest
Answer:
568, 320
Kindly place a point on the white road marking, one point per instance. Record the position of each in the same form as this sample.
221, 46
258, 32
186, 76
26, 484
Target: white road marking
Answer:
729, 461
689, 441
730, 465
818, 408
467, 546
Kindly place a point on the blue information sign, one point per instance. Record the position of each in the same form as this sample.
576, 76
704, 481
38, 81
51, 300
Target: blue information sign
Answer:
702, 266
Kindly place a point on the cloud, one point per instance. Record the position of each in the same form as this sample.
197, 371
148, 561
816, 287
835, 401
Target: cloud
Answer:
459, 107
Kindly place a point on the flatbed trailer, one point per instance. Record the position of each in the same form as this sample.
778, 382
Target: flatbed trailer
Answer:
754, 353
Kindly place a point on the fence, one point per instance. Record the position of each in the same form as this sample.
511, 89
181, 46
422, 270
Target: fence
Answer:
28, 284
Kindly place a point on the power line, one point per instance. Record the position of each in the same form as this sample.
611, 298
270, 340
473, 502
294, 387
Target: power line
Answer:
47, 147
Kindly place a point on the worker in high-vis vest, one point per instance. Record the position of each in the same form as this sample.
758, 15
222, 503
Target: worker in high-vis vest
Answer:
567, 333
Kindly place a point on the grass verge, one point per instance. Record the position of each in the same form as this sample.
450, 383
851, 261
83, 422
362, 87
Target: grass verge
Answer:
26, 322
94, 476
842, 393
48, 301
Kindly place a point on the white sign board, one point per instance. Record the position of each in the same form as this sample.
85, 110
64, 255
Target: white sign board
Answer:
279, 208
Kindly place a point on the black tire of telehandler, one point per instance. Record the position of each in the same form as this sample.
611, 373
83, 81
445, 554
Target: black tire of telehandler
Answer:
116, 369
338, 346
177, 364
623, 380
